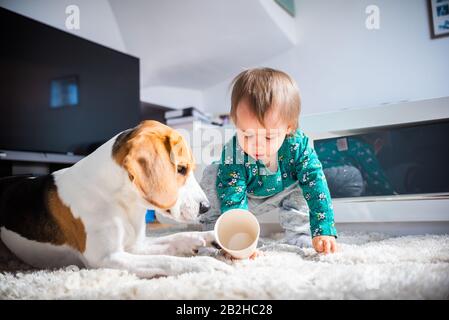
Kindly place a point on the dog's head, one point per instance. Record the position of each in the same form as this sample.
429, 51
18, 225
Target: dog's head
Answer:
160, 166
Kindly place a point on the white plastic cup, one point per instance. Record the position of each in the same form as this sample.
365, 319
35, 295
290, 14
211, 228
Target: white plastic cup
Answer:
237, 232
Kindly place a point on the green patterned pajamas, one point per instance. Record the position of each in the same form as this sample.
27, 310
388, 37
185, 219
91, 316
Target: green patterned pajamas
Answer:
298, 189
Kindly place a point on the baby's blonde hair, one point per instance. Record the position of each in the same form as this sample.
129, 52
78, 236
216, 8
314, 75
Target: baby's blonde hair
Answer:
265, 88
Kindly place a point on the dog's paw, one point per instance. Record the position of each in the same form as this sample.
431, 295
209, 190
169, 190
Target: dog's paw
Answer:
207, 264
208, 236
188, 243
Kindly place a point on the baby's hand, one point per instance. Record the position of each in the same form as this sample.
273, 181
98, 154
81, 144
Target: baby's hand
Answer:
326, 244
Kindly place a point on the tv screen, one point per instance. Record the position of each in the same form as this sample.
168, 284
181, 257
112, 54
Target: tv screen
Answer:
401, 160
60, 93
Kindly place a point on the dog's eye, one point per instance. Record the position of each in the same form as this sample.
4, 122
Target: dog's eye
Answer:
182, 170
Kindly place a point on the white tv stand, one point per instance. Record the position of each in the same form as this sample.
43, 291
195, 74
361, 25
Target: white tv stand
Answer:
402, 214
37, 163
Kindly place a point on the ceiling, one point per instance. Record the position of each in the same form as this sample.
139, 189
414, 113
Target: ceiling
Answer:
198, 43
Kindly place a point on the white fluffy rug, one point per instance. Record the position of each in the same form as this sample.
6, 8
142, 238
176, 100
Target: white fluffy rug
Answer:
369, 266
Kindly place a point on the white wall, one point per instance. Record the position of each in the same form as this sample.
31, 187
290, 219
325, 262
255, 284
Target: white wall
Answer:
97, 21
177, 98
340, 64
337, 62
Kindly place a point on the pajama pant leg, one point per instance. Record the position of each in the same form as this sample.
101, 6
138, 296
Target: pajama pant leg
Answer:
207, 183
289, 204
293, 211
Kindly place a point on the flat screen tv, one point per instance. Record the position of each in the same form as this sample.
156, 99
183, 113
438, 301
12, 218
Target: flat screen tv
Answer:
60, 93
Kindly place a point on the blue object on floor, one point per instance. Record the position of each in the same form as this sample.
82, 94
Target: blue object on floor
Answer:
150, 216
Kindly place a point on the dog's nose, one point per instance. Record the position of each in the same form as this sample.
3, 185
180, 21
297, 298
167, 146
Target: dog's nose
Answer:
204, 207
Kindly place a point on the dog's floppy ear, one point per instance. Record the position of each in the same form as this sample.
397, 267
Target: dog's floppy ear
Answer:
151, 170
157, 160
180, 154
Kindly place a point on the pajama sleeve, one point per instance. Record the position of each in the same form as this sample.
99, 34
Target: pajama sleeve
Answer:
314, 186
231, 187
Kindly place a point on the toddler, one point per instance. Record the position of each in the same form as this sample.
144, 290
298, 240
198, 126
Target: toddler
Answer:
269, 165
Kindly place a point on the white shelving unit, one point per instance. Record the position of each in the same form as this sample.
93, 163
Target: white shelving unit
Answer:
403, 214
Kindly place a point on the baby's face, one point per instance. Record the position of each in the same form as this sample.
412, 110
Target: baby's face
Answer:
260, 142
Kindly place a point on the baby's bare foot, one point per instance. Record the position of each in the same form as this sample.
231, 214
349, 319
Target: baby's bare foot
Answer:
256, 254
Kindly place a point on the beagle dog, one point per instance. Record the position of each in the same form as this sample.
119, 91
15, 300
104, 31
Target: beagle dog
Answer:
92, 214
